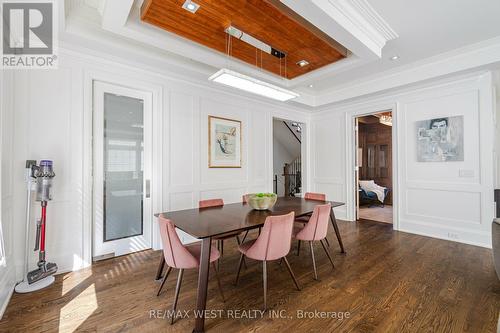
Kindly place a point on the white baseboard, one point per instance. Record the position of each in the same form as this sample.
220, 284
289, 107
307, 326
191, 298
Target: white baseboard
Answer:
482, 239
340, 213
7, 284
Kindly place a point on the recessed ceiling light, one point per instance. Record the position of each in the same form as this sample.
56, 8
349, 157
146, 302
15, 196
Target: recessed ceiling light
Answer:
311, 86
395, 57
303, 63
190, 6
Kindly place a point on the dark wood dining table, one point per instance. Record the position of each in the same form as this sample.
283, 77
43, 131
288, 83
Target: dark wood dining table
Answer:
206, 223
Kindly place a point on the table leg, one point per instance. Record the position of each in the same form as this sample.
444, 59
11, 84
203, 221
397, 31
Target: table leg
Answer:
159, 272
337, 232
201, 299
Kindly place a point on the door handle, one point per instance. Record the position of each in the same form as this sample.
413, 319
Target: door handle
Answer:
148, 188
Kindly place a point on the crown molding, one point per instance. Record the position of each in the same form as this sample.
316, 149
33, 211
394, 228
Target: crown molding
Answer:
381, 99
482, 55
348, 19
362, 16
375, 21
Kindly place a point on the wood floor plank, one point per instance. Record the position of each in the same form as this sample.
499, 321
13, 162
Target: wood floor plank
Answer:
387, 282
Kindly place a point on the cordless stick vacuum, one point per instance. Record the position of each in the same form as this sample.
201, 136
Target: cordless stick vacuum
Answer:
42, 276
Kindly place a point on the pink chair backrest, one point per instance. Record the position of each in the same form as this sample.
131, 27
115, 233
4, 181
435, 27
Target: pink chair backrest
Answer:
275, 238
210, 203
176, 255
315, 196
245, 197
317, 227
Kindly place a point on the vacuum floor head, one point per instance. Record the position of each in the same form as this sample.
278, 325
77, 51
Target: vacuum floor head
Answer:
42, 272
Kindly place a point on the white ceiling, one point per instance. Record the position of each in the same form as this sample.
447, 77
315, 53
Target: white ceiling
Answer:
426, 28
413, 30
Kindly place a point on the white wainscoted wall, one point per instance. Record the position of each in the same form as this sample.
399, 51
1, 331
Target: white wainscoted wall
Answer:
328, 172
7, 227
496, 81
450, 200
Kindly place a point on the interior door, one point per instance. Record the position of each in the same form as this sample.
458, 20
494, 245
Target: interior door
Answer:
122, 141
358, 163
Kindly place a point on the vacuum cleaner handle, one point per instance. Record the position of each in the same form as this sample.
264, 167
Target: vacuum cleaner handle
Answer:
37, 238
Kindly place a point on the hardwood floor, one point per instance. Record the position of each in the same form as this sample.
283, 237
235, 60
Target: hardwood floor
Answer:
376, 213
388, 282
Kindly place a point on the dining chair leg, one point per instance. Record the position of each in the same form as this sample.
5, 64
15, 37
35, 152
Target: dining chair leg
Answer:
169, 269
291, 273
218, 282
298, 248
220, 247
244, 237
161, 265
327, 242
176, 297
239, 243
280, 263
239, 269
264, 275
313, 260
327, 253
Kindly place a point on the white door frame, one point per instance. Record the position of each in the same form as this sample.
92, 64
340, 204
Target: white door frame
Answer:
142, 241
102, 75
303, 148
351, 152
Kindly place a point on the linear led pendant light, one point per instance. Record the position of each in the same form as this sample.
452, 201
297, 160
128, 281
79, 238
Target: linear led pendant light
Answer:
250, 84
243, 82
247, 83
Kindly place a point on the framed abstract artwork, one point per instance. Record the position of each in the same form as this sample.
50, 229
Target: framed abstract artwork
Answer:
224, 143
440, 139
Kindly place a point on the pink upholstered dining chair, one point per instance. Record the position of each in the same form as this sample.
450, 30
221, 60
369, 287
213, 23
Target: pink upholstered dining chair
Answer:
315, 230
244, 198
211, 203
315, 196
181, 257
272, 244
305, 218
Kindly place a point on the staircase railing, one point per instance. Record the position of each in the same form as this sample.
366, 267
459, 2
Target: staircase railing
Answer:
293, 177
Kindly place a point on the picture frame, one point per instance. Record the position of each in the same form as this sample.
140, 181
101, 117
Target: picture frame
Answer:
224, 142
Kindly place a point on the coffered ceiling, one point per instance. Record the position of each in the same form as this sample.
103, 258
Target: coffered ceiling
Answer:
299, 47
428, 38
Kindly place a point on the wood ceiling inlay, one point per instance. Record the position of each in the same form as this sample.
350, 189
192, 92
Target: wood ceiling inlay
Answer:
267, 20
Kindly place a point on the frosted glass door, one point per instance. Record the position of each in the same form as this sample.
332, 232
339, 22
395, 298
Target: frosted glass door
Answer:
123, 166
121, 162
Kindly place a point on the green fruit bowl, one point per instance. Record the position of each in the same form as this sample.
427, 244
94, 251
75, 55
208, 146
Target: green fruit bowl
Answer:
262, 201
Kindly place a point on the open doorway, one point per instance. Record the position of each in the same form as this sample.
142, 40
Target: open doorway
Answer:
287, 157
374, 183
